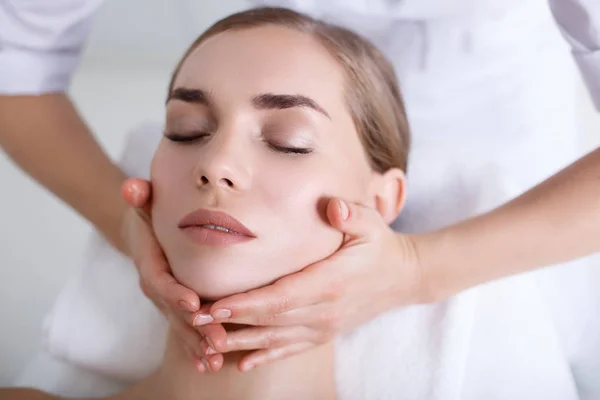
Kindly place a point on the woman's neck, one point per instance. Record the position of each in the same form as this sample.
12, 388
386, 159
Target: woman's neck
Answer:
309, 375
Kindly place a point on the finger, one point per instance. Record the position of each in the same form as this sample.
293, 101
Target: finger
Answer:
267, 337
200, 317
137, 193
200, 359
215, 362
319, 315
167, 289
292, 291
203, 364
198, 364
215, 337
355, 220
287, 318
156, 277
194, 359
262, 357
191, 339
211, 362
315, 284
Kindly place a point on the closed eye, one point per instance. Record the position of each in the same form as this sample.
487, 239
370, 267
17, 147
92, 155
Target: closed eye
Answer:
186, 138
292, 150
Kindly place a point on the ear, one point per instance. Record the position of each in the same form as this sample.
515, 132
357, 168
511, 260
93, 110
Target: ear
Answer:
389, 192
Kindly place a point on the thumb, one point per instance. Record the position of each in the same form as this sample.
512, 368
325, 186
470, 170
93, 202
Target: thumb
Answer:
137, 193
353, 219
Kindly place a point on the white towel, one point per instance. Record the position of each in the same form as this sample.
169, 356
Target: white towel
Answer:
65, 379
497, 341
101, 320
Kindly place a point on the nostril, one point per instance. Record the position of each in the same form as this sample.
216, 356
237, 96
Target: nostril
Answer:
228, 182
204, 179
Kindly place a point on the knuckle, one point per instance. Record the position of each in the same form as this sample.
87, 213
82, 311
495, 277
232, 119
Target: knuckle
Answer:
334, 291
145, 286
270, 339
266, 320
201, 329
324, 336
329, 320
283, 304
331, 332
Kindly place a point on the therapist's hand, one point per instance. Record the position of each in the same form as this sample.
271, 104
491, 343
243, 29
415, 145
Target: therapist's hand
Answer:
174, 300
374, 271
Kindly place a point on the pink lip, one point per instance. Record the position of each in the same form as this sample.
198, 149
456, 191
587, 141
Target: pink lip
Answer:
194, 223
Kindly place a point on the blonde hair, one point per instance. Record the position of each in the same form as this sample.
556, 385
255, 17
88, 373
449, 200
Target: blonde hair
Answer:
372, 93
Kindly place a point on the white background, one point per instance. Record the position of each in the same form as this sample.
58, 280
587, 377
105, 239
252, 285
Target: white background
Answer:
120, 83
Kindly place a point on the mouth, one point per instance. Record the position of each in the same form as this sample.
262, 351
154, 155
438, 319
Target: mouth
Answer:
219, 228
209, 223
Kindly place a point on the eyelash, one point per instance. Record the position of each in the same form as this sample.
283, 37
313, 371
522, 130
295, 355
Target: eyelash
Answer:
188, 139
178, 138
290, 150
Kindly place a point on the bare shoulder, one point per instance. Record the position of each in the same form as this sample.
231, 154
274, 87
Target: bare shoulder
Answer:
25, 394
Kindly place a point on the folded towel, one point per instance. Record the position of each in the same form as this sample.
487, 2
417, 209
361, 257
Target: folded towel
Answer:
101, 320
488, 342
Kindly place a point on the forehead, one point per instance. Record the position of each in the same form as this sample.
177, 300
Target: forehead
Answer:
266, 59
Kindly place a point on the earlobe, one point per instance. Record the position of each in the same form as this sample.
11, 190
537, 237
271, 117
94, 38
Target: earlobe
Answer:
390, 194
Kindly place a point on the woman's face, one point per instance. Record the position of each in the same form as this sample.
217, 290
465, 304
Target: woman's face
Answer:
257, 129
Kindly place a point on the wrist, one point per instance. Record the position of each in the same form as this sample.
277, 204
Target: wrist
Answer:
120, 237
409, 262
432, 263
111, 218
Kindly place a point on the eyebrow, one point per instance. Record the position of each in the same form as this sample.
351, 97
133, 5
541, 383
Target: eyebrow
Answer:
195, 96
262, 101
284, 101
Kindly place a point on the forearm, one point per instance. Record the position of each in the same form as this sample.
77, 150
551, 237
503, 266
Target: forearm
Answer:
556, 221
45, 136
25, 394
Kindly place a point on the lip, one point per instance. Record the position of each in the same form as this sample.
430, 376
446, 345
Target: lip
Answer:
194, 224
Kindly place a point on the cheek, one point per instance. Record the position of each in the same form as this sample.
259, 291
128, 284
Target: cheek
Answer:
296, 195
170, 176
296, 202
306, 191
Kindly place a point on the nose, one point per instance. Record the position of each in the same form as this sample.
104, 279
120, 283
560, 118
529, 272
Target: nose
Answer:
224, 165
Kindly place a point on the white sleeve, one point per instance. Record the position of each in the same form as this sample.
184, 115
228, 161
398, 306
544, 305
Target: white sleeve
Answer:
41, 42
579, 21
400, 9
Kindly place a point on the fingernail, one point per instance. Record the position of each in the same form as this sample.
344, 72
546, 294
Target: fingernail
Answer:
130, 189
196, 360
211, 348
200, 366
205, 363
202, 319
210, 351
221, 313
247, 367
136, 195
185, 306
344, 210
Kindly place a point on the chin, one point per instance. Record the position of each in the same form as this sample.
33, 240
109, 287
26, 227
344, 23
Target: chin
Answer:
214, 278
218, 272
